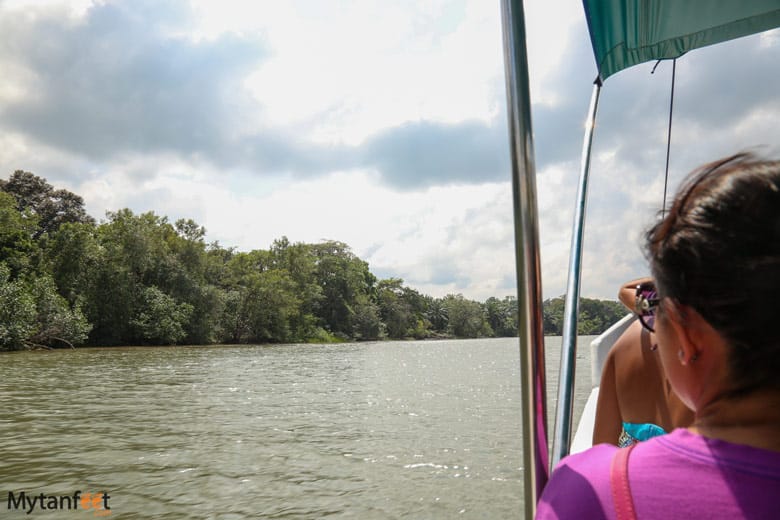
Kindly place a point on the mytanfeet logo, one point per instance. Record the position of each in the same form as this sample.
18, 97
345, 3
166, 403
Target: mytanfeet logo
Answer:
30, 503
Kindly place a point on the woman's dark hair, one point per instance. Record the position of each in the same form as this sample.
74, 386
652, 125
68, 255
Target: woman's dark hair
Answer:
718, 251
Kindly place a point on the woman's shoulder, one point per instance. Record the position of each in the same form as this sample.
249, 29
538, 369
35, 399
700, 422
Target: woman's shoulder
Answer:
679, 475
579, 487
686, 475
669, 475
628, 353
690, 449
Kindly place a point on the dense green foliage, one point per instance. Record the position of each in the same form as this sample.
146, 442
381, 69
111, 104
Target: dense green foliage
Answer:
595, 317
66, 280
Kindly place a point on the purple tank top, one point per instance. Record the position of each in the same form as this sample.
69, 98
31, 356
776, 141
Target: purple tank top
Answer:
680, 475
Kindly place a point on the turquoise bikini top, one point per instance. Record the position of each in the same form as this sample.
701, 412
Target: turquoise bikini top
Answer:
633, 433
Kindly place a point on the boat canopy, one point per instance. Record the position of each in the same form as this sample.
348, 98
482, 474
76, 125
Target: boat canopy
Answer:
628, 32
625, 33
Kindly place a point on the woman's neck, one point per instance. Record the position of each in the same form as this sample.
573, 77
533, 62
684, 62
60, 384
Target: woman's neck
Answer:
753, 420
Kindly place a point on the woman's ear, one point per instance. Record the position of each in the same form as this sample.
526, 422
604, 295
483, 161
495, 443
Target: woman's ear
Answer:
688, 328
700, 351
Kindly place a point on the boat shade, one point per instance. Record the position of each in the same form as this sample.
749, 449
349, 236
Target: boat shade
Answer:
628, 32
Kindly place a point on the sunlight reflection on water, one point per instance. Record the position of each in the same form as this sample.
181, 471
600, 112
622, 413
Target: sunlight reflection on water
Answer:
373, 430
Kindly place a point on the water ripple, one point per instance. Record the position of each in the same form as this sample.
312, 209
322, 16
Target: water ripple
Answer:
380, 430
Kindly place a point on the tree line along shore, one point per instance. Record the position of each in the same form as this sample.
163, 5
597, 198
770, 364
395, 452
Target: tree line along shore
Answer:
68, 281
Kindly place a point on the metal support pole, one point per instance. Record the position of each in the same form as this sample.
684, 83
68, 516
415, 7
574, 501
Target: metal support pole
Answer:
528, 264
563, 416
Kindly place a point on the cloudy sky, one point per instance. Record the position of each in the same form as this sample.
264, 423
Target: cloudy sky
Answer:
379, 124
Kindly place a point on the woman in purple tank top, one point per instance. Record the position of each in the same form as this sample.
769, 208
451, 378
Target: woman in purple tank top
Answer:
715, 259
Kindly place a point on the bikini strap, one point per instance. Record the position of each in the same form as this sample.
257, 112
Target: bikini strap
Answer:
618, 478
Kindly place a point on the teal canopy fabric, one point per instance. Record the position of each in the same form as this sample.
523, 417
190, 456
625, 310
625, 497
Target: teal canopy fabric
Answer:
627, 32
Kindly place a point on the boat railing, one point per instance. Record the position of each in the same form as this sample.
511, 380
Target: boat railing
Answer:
599, 349
527, 258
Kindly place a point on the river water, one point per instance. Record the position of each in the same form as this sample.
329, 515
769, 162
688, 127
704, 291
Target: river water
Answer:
426, 429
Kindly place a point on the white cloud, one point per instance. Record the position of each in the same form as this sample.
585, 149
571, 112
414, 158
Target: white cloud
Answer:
374, 123
349, 73
73, 8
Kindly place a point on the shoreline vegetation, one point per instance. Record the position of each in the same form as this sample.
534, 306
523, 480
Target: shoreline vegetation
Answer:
67, 281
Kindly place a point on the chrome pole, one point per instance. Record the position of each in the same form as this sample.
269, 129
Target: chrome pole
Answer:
563, 415
528, 264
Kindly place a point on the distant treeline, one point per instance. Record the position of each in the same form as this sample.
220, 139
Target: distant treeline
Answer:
66, 280
595, 316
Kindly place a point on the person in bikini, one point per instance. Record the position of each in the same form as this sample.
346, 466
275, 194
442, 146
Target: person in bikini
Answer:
635, 400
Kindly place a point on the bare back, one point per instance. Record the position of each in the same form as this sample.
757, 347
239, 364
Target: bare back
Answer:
635, 390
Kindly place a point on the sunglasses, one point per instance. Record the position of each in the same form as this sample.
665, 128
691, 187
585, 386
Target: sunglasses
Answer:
646, 304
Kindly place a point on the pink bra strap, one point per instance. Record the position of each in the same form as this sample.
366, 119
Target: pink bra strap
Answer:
621, 492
